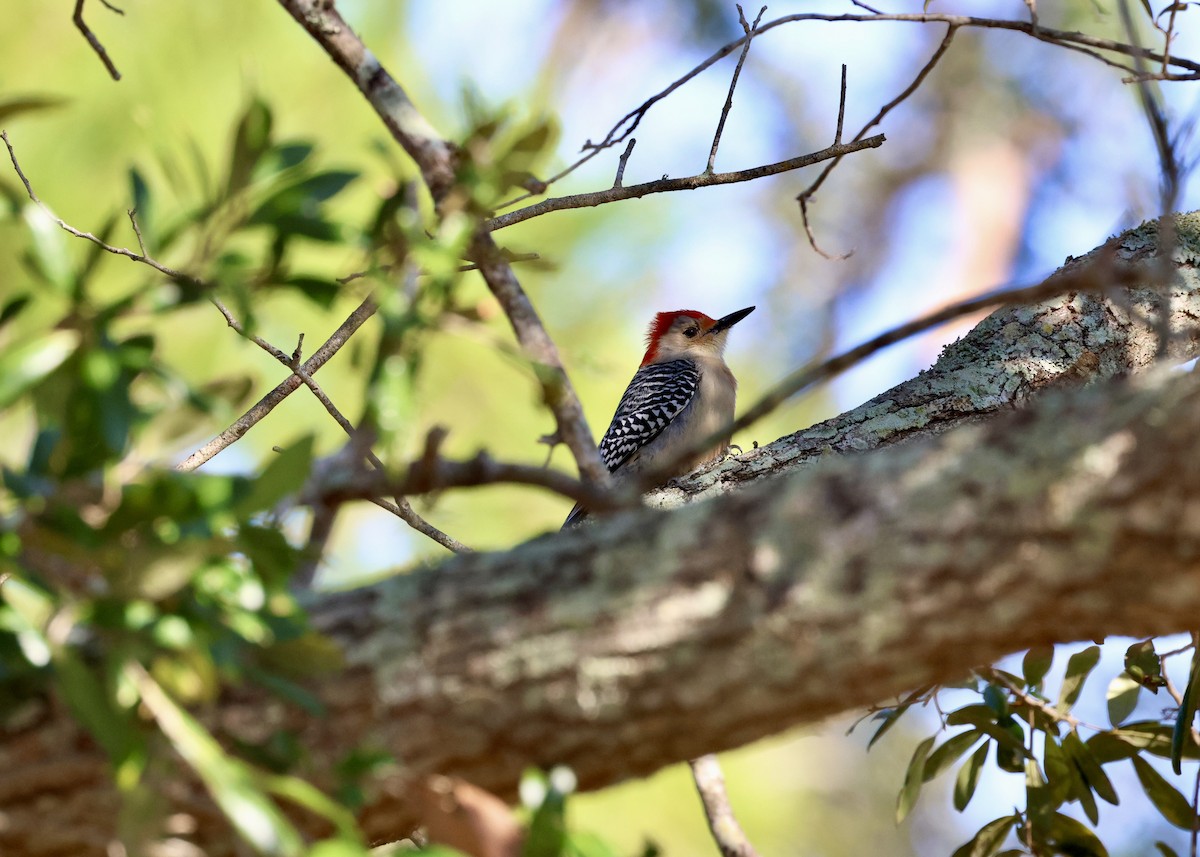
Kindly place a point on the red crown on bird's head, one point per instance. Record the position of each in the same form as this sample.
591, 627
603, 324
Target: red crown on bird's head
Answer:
662, 323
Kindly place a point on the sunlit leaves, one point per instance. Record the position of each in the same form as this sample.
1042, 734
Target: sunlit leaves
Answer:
990, 838
24, 365
1036, 664
1144, 666
1079, 667
913, 778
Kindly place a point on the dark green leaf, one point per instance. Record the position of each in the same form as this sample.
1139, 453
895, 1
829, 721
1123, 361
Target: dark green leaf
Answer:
1148, 735
1144, 666
988, 840
280, 158
1063, 778
13, 308
1074, 838
1166, 850
1173, 806
1078, 667
143, 210
547, 828
1036, 664
284, 475
320, 291
1039, 798
968, 778
301, 199
250, 142
949, 752
1187, 714
913, 778
889, 716
974, 715
1122, 697
996, 699
28, 104
1089, 767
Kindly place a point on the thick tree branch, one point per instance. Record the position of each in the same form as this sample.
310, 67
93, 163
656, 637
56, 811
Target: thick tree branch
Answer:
899, 568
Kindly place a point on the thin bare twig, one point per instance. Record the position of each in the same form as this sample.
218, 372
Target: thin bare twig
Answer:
282, 390
1075, 41
726, 832
666, 185
623, 161
806, 195
82, 26
737, 70
837, 137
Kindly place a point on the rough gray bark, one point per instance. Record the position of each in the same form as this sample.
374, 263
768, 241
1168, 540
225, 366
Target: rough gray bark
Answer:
657, 636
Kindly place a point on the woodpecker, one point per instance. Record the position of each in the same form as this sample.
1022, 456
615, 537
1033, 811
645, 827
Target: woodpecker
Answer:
681, 394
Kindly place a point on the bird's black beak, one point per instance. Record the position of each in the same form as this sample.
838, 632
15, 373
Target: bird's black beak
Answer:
730, 320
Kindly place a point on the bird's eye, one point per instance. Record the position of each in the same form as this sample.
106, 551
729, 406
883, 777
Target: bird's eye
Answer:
691, 332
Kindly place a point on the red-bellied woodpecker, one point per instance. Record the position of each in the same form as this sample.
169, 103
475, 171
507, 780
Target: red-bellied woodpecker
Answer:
682, 394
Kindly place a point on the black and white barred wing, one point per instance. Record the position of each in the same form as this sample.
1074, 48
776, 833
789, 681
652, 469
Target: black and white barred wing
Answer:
657, 394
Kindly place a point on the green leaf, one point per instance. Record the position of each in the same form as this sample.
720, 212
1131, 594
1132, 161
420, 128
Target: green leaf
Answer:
1036, 664
49, 248
251, 141
1072, 837
231, 782
301, 199
974, 715
284, 475
996, 699
143, 208
1166, 850
305, 794
582, 844
1187, 714
1144, 665
1089, 767
547, 829
94, 707
321, 292
1078, 668
1129, 739
13, 308
1122, 698
913, 778
968, 778
889, 716
25, 365
988, 840
1039, 799
1062, 776
949, 752
280, 158
29, 104
1167, 799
